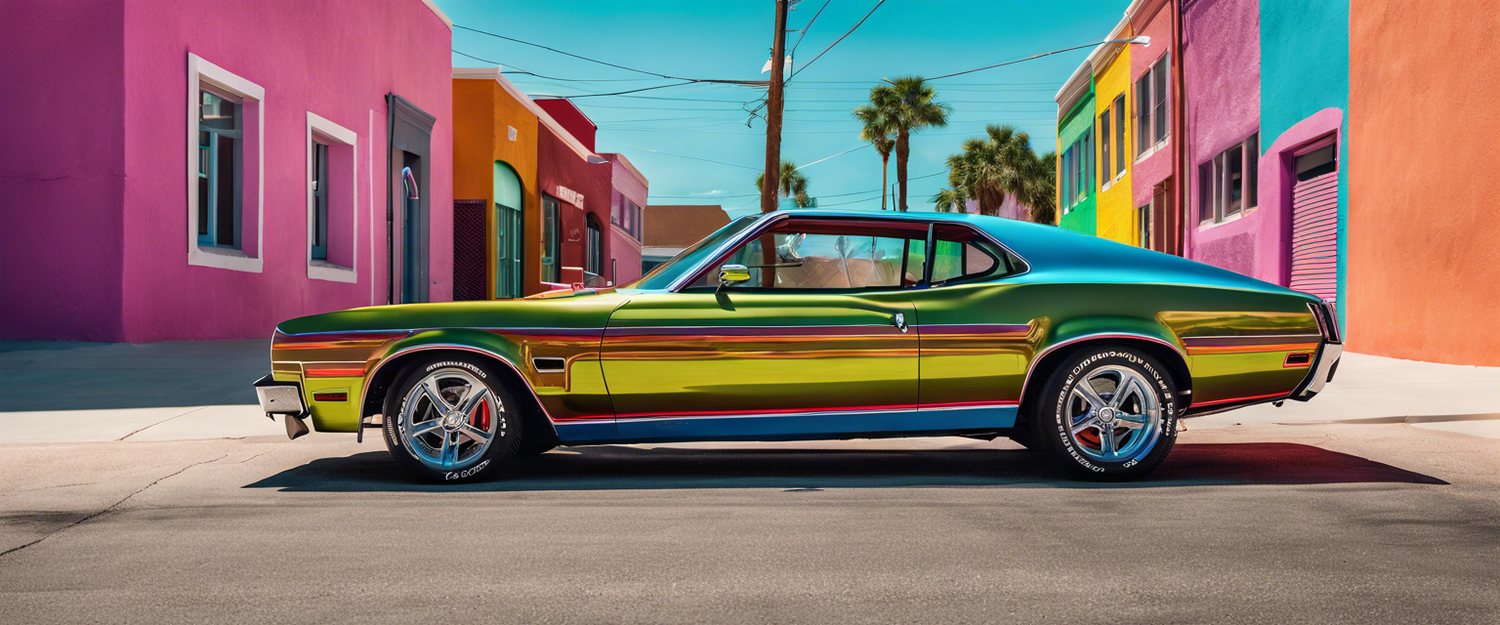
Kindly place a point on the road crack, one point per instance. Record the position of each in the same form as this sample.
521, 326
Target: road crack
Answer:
111, 506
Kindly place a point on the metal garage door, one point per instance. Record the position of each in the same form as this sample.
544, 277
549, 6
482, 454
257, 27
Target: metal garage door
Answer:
1315, 223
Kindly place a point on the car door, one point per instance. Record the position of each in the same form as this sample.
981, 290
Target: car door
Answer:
818, 342
975, 336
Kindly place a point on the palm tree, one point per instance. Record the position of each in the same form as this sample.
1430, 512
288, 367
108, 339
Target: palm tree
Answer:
877, 130
792, 184
1002, 164
906, 104
950, 201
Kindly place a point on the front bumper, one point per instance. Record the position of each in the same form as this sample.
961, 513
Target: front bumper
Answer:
283, 398
1321, 372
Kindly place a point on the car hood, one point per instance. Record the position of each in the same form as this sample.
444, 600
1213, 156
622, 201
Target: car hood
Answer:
585, 309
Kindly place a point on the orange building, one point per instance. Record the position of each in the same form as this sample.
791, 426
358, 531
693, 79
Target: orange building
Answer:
1424, 237
497, 206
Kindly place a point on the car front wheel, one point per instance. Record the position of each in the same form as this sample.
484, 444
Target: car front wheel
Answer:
1108, 413
451, 420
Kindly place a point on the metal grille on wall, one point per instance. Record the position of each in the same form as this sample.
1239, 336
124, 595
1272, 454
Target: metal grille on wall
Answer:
469, 277
1315, 221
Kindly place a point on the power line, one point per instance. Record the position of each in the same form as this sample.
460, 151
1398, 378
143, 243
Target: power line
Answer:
1020, 60
517, 70
706, 160
616, 93
803, 32
607, 63
835, 42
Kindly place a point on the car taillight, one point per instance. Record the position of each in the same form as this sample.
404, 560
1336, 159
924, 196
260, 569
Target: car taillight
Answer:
1328, 321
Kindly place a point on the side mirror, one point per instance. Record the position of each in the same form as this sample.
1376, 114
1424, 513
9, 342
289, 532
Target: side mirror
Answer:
733, 275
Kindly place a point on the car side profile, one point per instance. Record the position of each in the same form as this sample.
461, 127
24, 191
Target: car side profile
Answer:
817, 324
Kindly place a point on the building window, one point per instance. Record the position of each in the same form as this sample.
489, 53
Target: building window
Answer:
332, 201
1104, 136
1226, 184
1119, 135
225, 117
594, 246
220, 138
1143, 226
1151, 108
551, 242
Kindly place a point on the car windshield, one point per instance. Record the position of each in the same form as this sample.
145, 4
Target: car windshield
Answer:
664, 275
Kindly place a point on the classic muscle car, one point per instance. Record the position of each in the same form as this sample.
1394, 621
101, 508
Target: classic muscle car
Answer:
820, 325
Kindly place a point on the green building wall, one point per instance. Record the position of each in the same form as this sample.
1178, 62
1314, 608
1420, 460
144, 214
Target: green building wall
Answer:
1081, 217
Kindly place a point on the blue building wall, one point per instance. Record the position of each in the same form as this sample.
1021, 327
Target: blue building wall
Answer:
1304, 55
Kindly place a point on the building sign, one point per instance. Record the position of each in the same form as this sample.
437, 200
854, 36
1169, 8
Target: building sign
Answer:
570, 196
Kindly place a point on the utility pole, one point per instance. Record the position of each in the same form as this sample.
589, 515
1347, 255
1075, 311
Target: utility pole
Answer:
771, 180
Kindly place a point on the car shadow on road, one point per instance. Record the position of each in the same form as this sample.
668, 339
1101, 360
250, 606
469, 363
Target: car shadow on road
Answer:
613, 467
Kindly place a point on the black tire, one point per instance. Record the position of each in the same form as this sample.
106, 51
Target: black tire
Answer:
1056, 410
485, 461
1025, 438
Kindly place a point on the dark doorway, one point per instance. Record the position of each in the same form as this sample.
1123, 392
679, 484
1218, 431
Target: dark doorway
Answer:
408, 201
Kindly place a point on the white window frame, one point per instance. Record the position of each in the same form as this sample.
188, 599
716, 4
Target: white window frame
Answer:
1214, 178
320, 130
200, 73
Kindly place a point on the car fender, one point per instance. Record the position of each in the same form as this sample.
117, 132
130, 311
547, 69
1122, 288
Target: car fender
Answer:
1101, 327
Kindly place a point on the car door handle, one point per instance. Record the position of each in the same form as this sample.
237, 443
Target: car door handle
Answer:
899, 320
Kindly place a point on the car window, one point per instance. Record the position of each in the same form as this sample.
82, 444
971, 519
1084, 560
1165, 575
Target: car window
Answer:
828, 255
960, 254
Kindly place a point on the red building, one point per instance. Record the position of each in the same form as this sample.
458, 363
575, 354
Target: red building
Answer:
575, 186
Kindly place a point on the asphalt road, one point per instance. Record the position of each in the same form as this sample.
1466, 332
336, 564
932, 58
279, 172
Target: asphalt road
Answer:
1368, 523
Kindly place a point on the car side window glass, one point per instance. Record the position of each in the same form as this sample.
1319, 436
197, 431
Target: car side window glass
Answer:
827, 257
961, 254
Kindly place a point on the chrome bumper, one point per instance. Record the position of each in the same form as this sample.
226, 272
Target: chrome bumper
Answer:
1322, 371
282, 398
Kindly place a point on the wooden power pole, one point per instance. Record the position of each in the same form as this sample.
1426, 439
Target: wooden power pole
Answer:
772, 178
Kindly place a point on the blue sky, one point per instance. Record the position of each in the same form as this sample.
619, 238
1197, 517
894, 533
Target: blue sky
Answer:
730, 39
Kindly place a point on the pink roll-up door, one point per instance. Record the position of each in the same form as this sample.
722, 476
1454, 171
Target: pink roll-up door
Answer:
1315, 235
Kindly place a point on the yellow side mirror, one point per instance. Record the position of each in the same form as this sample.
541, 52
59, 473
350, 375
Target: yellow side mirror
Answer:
731, 275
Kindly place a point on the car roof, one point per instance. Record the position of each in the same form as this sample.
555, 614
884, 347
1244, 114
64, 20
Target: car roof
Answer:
1062, 254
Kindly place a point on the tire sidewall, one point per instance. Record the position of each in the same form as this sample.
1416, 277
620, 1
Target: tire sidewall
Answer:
1053, 422
507, 429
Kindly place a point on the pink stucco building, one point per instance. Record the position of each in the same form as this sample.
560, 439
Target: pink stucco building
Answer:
628, 200
1221, 71
205, 170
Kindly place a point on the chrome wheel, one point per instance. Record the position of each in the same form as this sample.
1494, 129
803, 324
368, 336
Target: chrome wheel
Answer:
449, 419
1114, 415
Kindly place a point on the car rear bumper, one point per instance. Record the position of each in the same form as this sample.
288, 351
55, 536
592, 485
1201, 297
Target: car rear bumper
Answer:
283, 398
1321, 372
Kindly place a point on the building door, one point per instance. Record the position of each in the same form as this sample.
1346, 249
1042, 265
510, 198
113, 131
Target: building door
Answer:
509, 232
1315, 222
409, 130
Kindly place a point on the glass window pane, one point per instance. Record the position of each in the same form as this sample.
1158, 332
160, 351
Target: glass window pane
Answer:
217, 112
1252, 170
1159, 98
1234, 161
1119, 135
1104, 136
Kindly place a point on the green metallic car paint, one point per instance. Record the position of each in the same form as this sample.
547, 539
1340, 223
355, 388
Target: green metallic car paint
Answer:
644, 352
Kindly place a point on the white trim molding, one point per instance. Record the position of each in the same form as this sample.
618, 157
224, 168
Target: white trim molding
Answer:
320, 130
201, 72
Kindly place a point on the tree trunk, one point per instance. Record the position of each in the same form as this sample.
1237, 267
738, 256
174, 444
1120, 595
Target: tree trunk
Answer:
903, 150
885, 166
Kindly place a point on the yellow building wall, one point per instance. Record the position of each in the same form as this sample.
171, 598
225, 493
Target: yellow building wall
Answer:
1114, 214
483, 114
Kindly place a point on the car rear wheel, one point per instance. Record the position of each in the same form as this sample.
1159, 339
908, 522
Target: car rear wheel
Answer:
1108, 413
451, 420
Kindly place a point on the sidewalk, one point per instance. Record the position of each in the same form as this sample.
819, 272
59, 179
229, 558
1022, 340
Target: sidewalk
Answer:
53, 392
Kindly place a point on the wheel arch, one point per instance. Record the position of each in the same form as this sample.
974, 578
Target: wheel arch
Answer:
378, 382
1165, 351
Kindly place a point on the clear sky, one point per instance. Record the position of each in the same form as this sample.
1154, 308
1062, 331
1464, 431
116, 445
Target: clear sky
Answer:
730, 39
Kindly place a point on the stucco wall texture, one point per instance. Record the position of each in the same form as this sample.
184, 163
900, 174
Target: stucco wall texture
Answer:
62, 170
1221, 72
1424, 235
109, 121
558, 165
1114, 214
